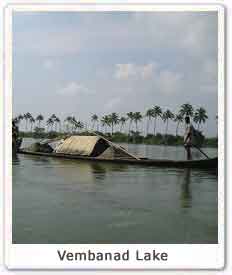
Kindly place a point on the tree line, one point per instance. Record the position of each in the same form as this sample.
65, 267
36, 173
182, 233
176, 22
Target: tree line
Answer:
110, 121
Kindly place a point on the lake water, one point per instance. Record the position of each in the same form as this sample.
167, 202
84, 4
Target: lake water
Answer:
65, 201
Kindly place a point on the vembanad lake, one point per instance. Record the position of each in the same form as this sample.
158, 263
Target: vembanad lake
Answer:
67, 201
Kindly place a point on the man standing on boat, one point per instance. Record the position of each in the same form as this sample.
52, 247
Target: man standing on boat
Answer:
188, 137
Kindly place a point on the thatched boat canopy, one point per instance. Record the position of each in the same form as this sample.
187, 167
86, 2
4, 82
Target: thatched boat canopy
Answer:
82, 145
91, 146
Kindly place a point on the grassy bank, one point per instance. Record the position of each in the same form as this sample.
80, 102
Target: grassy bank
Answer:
135, 138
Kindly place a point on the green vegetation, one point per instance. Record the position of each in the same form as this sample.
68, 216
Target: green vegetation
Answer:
113, 126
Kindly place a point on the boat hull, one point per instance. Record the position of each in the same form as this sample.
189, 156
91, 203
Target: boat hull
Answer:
200, 164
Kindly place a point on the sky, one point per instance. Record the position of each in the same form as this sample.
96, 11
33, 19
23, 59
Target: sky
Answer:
82, 63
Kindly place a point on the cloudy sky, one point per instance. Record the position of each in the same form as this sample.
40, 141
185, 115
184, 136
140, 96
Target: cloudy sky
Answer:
73, 63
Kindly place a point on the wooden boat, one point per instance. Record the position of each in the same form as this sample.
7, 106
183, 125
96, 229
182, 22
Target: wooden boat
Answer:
99, 149
200, 164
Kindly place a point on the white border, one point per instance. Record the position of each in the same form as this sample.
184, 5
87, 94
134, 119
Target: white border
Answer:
187, 256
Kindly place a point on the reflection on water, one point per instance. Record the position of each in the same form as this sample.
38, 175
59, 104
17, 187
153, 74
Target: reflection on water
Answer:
71, 201
185, 194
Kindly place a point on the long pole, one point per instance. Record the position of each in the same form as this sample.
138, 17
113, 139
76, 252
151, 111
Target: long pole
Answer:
201, 151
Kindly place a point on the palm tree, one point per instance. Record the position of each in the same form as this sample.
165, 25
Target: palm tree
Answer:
122, 121
39, 118
131, 118
178, 118
19, 119
149, 115
105, 122
137, 117
168, 115
200, 116
113, 119
27, 116
157, 112
73, 123
32, 121
53, 116
50, 123
79, 125
186, 110
68, 122
94, 119
57, 121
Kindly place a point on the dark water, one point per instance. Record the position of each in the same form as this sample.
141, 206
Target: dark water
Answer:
65, 201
